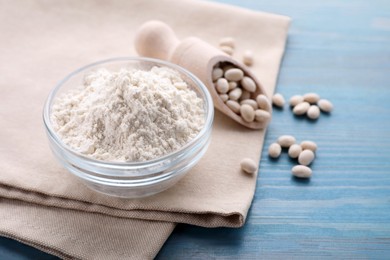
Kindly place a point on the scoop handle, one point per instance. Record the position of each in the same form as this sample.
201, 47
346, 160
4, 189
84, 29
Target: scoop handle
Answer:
156, 39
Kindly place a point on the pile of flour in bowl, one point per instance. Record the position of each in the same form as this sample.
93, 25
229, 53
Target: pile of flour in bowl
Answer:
129, 115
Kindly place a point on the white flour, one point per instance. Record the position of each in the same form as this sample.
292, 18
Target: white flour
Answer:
129, 115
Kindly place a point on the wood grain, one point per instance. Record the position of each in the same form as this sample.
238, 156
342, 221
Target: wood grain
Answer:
341, 50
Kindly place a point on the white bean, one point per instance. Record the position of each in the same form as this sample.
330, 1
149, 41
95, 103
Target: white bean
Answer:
217, 73
262, 115
247, 113
248, 84
294, 151
301, 171
306, 157
274, 150
286, 140
325, 105
228, 50
227, 41
222, 86
309, 145
311, 98
224, 97
301, 108
249, 166
234, 106
235, 94
278, 100
245, 95
227, 67
250, 102
247, 58
232, 85
263, 102
313, 112
234, 74
295, 100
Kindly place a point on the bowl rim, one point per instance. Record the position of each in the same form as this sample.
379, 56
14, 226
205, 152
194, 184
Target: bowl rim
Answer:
123, 165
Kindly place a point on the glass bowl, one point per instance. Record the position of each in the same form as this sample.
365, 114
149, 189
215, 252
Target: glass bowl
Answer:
130, 179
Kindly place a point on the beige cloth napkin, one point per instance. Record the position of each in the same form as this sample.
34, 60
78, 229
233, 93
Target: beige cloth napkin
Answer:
41, 204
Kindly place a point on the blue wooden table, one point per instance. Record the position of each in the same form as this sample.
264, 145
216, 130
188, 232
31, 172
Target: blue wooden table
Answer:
341, 50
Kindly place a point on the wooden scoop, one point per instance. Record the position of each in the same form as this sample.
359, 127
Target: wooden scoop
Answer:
156, 39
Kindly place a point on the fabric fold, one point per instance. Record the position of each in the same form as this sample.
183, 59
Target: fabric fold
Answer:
43, 205
208, 219
71, 234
